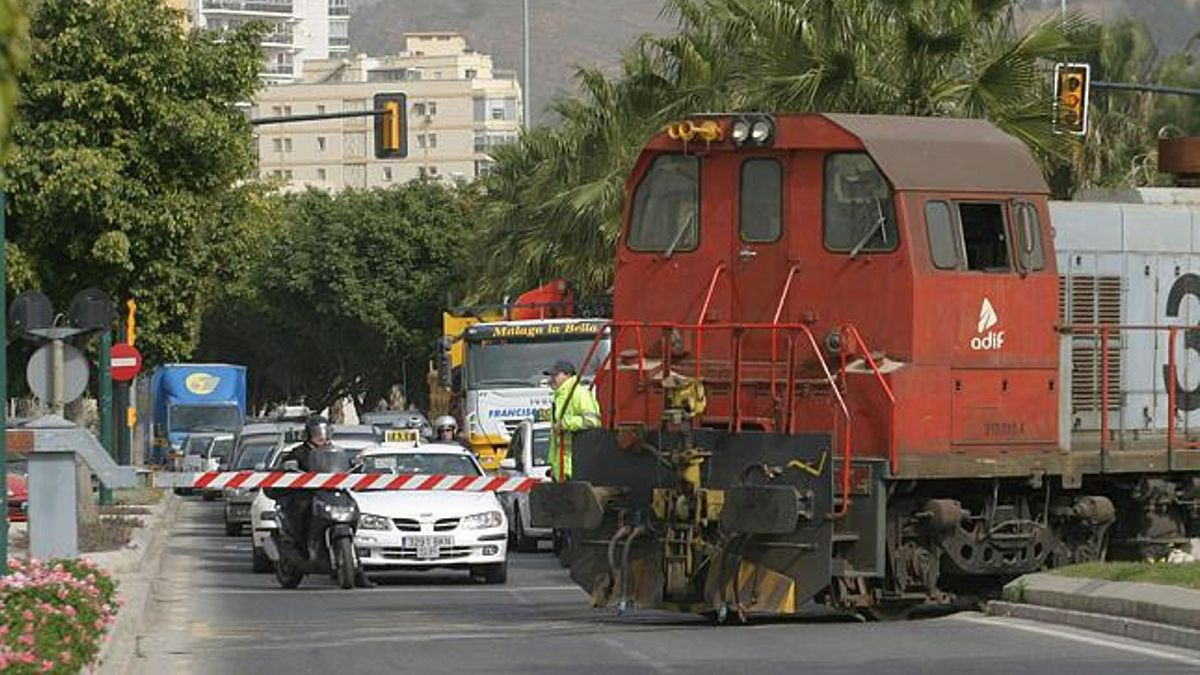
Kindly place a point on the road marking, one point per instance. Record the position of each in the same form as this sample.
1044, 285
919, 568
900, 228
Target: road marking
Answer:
393, 589
1112, 642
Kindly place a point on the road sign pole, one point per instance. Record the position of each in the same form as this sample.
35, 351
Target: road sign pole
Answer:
106, 405
3, 394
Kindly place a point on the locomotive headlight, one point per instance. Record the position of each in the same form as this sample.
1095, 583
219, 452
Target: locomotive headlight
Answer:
760, 131
740, 131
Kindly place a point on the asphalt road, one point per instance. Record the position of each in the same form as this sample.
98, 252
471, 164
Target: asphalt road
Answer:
212, 615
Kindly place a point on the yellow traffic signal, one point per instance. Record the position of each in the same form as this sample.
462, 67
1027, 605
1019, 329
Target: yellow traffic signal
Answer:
1071, 85
391, 126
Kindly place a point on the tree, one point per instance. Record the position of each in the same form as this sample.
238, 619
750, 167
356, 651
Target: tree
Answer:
130, 159
555, 198
345, 297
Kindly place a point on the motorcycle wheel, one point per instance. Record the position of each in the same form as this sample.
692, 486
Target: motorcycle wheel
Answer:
344, 552
286, 574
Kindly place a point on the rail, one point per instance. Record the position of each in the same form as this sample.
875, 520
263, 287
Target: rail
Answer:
712, 286
1105, 332
795, 332
851, 331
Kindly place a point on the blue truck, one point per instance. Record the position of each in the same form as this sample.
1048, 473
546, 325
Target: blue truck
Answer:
190, 397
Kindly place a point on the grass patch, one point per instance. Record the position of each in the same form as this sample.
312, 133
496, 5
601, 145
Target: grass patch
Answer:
119, 510
1185, 574
139, 496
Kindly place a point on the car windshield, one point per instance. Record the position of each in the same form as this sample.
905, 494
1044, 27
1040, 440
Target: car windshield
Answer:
422, 463
197, 445
18, 467
254, 454
214, 417
222, 449
541, 447
510, 365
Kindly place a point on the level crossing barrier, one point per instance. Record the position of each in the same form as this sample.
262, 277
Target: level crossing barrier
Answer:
294, 480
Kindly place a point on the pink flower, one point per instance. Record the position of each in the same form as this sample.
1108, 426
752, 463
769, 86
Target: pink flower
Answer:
69, 611
26, 639
67, 639
47, 666
27, 615
65, 657
98, 624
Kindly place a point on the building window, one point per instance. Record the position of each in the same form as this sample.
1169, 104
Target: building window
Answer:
277, 144
277, 111
433, 171
287, 145
433, 140
419, 109
420, 140
472, 73
320, 109
287, 110
321, 175
387, 173
480, 142
287, 173
483, 167
321, 143
498, 113
480, 105
433, 108
859, 211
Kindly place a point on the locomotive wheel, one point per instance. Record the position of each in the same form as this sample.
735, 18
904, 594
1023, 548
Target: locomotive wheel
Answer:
895, 611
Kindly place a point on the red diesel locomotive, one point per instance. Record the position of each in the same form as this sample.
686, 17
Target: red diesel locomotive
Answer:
836, 373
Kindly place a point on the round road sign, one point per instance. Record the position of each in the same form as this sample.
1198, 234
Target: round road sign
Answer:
125, 362
74, 376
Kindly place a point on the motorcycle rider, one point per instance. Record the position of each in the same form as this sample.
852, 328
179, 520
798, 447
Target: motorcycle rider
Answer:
445, 430
316, 454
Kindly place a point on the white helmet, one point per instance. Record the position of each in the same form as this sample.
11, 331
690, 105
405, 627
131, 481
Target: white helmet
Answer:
445, 422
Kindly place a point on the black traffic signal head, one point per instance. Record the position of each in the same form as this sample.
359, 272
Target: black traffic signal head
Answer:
1071, 85
391, 126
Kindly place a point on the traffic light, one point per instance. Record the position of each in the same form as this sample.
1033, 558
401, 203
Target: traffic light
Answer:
1071, 84
391, 127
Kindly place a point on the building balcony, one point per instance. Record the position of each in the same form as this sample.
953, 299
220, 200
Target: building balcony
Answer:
339, 11
249, 7
339, 42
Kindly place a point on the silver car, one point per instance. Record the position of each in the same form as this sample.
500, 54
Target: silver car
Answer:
528, 457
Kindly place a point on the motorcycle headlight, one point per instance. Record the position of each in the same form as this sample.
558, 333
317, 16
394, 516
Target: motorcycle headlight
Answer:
370, 521
339, 513
481, 521
239, 492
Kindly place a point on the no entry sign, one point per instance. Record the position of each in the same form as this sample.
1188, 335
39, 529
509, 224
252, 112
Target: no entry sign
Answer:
125, 362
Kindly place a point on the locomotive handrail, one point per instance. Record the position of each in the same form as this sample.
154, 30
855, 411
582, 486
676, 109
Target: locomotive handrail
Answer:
1104, 331
617, 328
712, 286
787, 289
852, 331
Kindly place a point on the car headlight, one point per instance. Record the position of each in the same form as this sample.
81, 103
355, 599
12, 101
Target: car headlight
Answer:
370, 521
267, 515
480, 521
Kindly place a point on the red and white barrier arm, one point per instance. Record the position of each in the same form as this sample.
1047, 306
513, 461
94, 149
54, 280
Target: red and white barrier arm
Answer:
345, 481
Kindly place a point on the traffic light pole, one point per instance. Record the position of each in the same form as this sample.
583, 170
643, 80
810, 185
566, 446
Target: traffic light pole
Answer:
318, 116
1149, 88
106, 405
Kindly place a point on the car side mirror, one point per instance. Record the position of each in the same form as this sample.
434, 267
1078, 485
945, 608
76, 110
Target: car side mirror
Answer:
508, 463
291, 465
260, 466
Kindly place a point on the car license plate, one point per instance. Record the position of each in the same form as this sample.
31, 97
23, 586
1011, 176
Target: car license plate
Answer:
427, 547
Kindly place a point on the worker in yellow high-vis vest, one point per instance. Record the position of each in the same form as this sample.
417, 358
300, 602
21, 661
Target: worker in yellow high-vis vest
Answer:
575, 409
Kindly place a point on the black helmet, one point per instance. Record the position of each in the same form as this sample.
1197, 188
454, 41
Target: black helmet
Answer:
318, 425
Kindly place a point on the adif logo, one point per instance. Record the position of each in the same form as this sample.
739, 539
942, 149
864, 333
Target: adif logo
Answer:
987, 339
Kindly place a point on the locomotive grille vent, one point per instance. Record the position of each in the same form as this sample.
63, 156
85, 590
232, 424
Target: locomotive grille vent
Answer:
1092, 300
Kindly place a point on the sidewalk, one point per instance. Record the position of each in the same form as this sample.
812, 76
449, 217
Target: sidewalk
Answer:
135, 568
1164, 614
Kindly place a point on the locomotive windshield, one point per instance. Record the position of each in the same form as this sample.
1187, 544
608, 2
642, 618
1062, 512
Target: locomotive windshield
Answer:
666, 206
859, 213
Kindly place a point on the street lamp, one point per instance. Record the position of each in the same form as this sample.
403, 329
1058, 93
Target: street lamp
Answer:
525, 84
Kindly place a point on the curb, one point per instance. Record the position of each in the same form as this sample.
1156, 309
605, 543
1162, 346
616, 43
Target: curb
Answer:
135, 570
1153, 603
1146, 631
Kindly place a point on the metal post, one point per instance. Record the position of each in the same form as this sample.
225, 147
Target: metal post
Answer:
56, 376
527, 94
3, 397
106, 405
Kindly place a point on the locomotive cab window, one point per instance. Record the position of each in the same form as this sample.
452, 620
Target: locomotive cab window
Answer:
761, 200
860, 215
943, 243
1028, 235
666, 207
984, 236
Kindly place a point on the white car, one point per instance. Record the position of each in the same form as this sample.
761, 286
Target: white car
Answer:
262, 507
528, 457
413, 530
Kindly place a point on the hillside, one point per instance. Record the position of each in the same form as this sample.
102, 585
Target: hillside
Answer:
568, 33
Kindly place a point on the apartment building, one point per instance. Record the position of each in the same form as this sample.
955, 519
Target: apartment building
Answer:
458, 108
300, 30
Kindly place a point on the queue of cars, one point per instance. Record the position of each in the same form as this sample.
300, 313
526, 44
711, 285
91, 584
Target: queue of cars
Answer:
397, 530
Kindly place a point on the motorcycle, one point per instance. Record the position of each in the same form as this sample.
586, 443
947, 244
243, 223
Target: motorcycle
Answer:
329, 546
